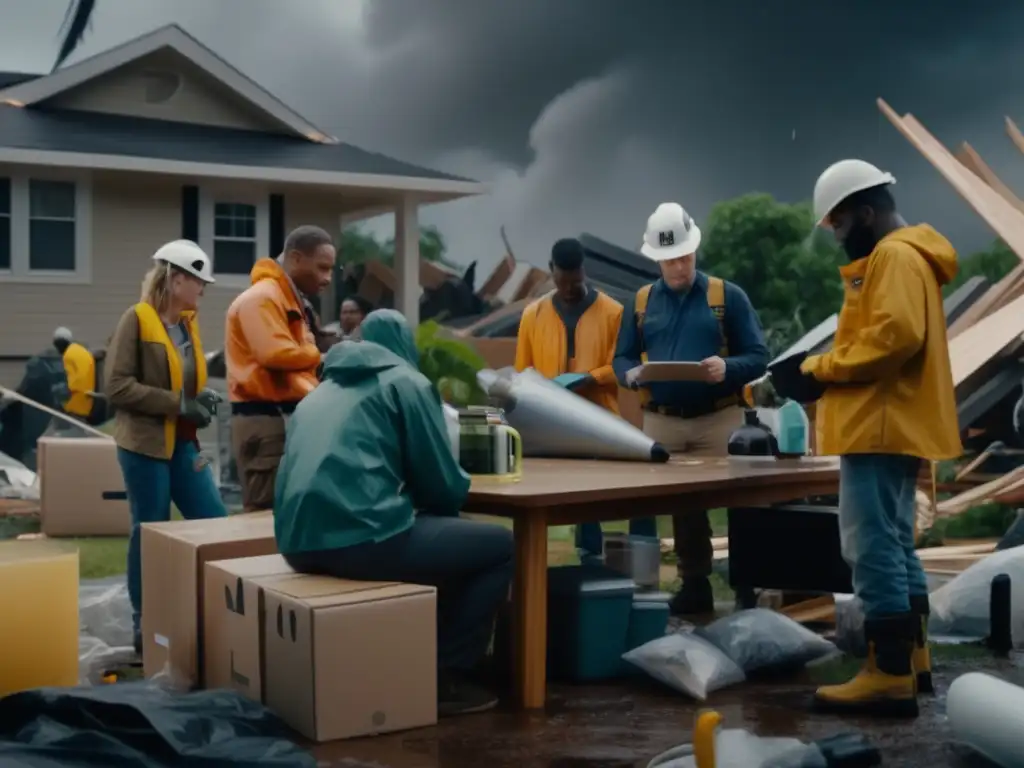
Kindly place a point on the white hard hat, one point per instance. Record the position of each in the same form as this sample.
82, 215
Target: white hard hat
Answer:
671, 233
188, 257
842, 179
62, 334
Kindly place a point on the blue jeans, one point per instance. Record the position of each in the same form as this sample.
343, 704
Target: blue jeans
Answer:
876, 528
590, 539
152, 485
471, 563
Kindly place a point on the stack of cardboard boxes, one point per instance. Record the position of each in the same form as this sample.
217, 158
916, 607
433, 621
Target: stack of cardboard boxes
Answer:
335, 659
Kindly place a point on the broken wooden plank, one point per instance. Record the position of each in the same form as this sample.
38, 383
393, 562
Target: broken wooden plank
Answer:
974, 163
817, 609
1015, 135
986, 339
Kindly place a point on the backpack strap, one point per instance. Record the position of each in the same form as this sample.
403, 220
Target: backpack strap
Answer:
640, 309
716, 302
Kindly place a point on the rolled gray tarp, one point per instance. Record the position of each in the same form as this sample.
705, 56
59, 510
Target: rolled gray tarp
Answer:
556, 423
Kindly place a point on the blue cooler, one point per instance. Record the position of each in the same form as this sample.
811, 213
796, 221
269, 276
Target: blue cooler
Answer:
588, 621
648, 620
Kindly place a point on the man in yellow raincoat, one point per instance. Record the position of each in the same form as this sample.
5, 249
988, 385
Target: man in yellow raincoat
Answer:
573, 330
889, 403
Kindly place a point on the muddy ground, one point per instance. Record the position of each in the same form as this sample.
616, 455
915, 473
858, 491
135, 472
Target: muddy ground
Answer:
626, 724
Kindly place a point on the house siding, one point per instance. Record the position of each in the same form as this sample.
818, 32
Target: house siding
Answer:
199, 98
132, 215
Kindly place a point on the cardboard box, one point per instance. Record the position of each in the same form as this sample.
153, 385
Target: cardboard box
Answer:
346, 658
81, 489
232, 622
173, 556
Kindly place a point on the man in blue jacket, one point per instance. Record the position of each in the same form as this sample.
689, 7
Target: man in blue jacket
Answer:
688, 316
369, 489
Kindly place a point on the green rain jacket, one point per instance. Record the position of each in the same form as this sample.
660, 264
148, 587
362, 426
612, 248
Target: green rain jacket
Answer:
367, 448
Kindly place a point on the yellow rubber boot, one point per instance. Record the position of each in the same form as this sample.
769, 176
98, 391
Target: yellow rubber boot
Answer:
885, 685
922, 658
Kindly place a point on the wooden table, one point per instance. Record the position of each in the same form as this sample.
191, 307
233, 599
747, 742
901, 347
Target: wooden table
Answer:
568, 492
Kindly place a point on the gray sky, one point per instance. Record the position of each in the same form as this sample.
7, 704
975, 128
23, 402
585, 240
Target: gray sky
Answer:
583, 115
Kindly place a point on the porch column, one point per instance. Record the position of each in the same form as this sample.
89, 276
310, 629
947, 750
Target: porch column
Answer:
407, 259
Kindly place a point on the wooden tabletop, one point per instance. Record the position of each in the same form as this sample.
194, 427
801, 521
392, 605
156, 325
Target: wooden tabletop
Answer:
568, 481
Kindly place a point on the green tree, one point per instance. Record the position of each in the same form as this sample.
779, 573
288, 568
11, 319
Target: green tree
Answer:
451, 364
357, 246
994, 263
772, 251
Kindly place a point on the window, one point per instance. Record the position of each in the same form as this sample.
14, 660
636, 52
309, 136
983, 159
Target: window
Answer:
235, 245
5, 224
51, 226
46, 227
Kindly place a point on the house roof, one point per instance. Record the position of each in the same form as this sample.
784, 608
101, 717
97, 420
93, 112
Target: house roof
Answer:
38, 89
68, 138
7, 79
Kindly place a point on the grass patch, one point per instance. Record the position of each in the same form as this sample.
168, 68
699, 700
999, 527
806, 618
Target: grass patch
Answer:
99, 558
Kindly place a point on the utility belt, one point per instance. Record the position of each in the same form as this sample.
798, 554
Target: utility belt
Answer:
694, 412
263, 408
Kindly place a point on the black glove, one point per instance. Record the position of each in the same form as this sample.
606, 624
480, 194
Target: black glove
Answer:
581, 384
792, 383
196, 413
209, 398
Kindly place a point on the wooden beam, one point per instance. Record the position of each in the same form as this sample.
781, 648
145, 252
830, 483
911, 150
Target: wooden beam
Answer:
974, 163
1015, 135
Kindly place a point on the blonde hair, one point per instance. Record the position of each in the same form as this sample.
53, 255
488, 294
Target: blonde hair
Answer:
156, 286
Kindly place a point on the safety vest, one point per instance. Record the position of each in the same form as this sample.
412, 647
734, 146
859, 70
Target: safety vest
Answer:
716, 303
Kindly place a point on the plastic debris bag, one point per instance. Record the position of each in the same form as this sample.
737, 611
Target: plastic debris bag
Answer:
736, 748
850, 626
105, 628
760, 639
687, 663
960, 608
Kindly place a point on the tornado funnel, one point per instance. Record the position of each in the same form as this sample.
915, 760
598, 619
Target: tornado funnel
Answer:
556, 423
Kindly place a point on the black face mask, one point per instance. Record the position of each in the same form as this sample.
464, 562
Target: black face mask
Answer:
860, 241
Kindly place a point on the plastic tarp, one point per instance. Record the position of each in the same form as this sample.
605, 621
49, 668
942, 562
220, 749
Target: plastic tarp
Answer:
20, 425
143, 726
105, 628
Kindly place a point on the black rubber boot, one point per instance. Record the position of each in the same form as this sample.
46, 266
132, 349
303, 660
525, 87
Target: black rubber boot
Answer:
694, 598
922, 657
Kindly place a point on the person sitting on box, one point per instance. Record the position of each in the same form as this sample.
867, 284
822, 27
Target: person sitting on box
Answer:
369, 489
157, 384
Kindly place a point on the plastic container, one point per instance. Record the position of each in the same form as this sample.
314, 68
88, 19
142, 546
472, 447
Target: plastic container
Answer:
636, 557
39, 605
648, 620
588, 620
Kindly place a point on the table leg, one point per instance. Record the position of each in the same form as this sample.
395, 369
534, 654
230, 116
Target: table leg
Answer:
530, 593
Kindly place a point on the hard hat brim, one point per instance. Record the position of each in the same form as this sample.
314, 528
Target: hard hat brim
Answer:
670, 252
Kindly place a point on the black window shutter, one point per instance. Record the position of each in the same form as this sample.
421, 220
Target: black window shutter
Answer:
190, 213
276, 225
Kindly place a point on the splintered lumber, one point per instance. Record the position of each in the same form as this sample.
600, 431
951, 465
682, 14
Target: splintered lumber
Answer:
984, 340
998, 212
814, 611
974, 163
981, 494
1015, 135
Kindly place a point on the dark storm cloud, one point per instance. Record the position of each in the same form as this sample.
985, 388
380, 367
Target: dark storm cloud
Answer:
585, 114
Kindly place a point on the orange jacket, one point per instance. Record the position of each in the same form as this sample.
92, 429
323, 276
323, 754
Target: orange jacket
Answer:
270, 352
543, 345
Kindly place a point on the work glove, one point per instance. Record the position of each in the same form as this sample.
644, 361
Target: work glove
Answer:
196, 413
209, 399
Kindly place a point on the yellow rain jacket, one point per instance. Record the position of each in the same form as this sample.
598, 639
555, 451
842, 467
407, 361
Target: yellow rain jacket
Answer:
545, 346
80, 367
892, 385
